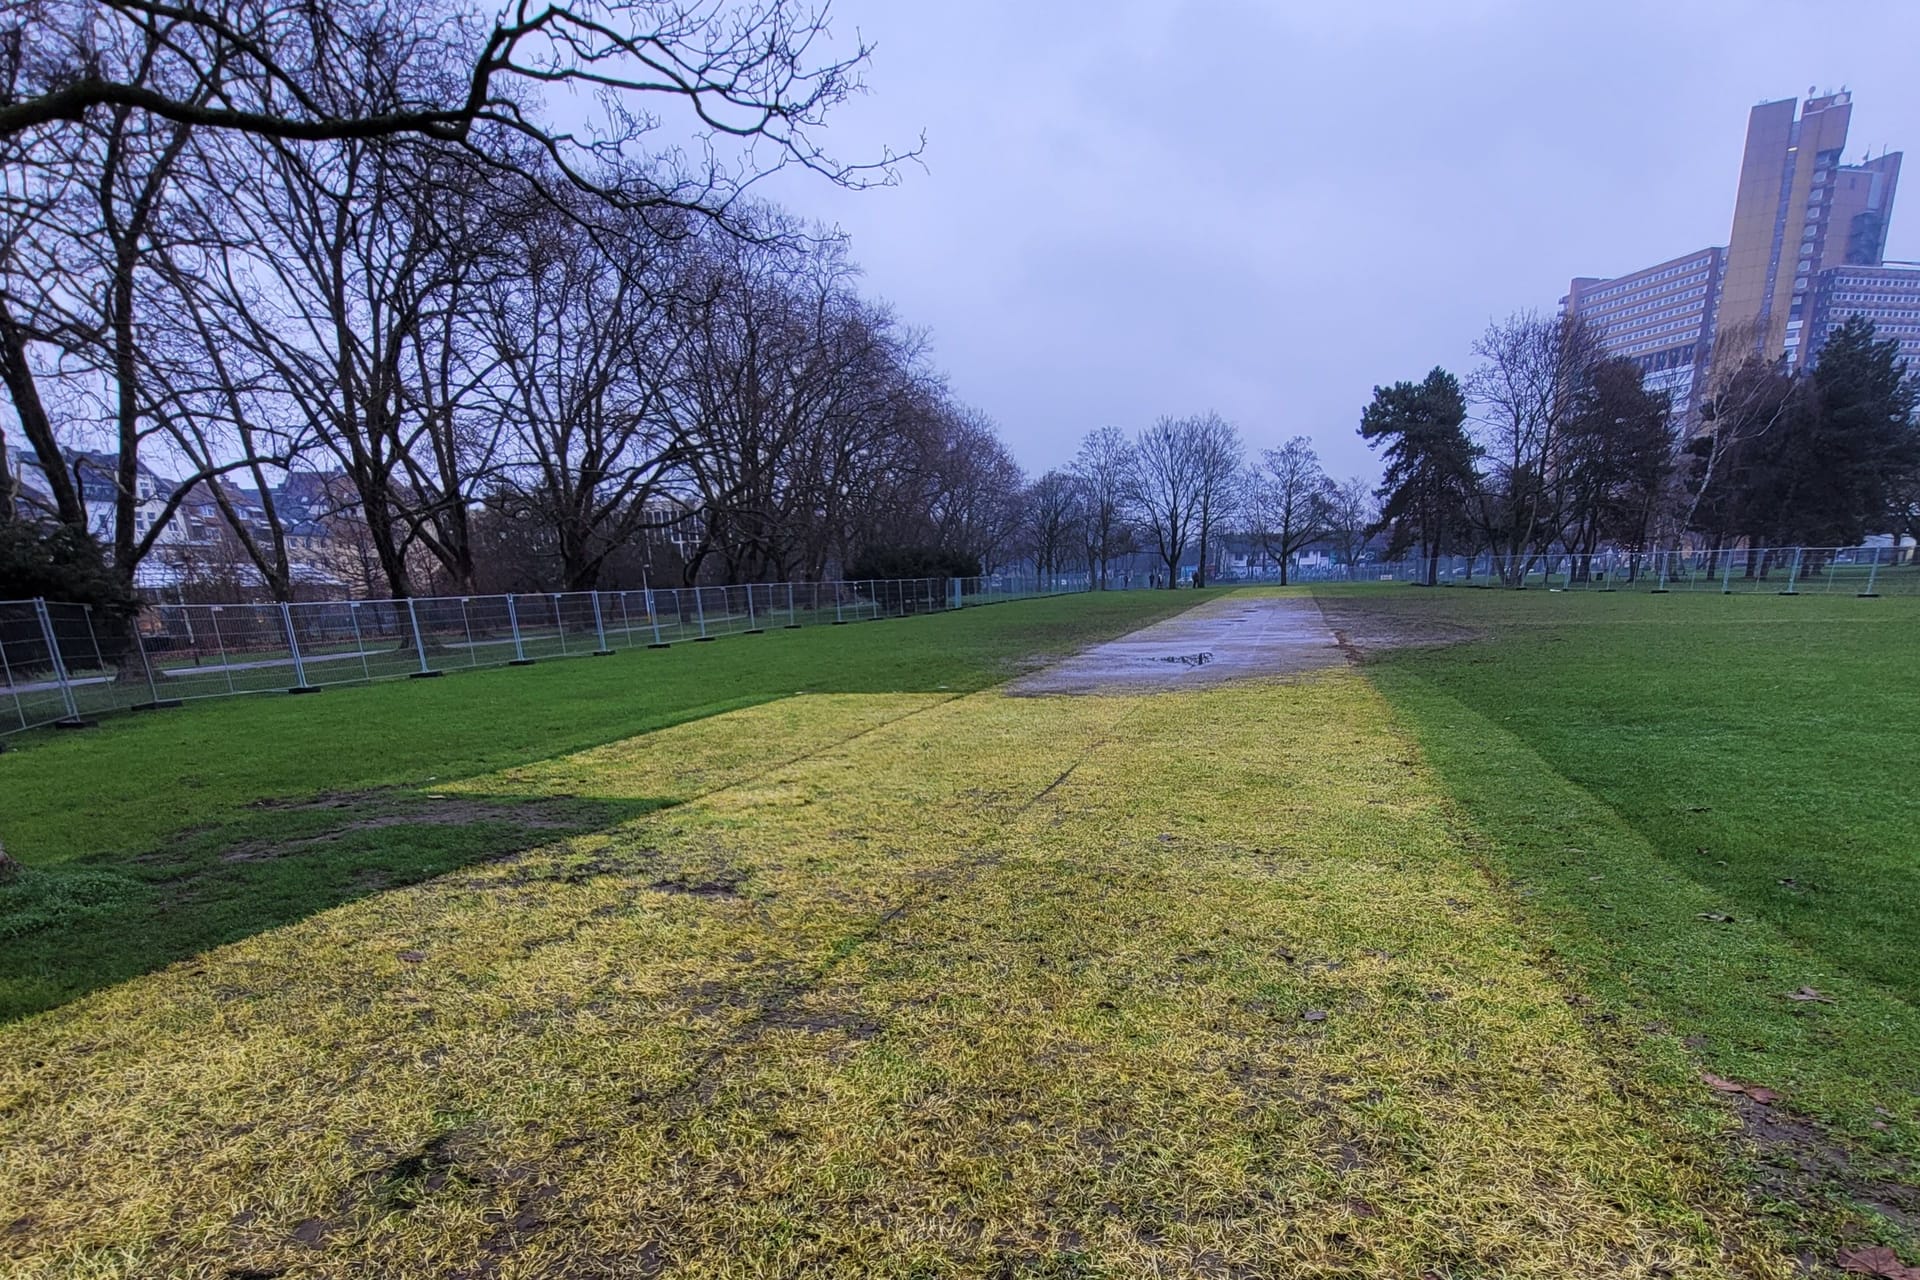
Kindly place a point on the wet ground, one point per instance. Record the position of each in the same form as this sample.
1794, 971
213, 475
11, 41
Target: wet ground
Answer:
1237, 638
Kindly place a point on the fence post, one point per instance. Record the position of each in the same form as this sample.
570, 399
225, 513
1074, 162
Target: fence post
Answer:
419, 644
700, 614
600, 628
72, 720
840, 605
220, 643
146, 664
653, 614
1726, 575
793, 623
1873, 572
520, 658
359, 645
1662, 588
753, 627
466, 625
293, 647
6, 673
93, 638
1793, 574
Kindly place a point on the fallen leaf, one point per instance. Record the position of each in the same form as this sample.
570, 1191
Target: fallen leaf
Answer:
1315, 1015
413, 957
1805, 994
1877, 1260
1758, 1092
1716, 917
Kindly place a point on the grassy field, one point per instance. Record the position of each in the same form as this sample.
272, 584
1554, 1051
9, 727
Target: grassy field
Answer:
816, 954
1196, 984
1708, 806
144, 838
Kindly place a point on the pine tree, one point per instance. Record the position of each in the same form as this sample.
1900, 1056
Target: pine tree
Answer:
1429, 459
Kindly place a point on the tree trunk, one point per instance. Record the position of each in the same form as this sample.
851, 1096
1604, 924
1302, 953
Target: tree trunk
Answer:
34, 423
126, 478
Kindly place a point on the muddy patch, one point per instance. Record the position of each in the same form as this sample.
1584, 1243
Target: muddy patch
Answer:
363, 811
1800, 1162
1365, 626
1238, 638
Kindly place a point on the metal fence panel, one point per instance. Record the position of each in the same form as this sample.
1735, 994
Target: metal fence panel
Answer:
65, 663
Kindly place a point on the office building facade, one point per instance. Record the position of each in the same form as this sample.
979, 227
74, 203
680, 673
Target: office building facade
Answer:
1660, 318
1807, 242
1888, 295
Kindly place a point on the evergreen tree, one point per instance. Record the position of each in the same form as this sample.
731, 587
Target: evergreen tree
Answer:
1429, 472
1850, 439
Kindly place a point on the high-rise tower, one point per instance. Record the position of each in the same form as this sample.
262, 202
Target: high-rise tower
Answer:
1797, 211
1807, 250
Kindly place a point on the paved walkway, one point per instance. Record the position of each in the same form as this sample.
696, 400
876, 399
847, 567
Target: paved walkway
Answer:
1236, 638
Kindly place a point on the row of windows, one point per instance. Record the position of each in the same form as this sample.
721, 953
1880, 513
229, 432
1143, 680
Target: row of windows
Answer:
1618, 334
1637, 347
1668, 360
1880, 298
1647, 331
1669, 300
1697, 267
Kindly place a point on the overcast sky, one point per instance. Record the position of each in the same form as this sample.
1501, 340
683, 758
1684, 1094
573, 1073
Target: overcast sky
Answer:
1137, 207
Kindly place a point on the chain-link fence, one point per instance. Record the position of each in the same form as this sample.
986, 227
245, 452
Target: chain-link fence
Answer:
63, 664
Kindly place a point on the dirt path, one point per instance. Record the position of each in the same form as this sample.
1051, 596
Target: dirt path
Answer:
1237, 638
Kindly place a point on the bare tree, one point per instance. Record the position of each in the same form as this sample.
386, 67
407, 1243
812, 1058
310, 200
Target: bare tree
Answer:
972, 498
1618, 458
750, 77
1289, 505
1165, 490
1219, 472
1744, 400
1352, 514
89, 222
1104, 467
1533, 373
583, 348
248, 227
1185, 486
797, 398
1054, 519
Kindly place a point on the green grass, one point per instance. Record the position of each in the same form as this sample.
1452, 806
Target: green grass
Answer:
1632, 762
1200, 983
128, 831
896, 978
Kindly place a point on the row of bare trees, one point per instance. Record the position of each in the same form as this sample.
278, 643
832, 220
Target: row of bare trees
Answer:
1186, 485
243, 242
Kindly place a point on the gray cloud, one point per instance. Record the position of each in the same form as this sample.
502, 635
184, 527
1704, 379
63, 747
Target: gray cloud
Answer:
1139, 208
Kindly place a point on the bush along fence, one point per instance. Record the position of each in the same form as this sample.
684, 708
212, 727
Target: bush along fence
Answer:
1789, 571
65, 664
